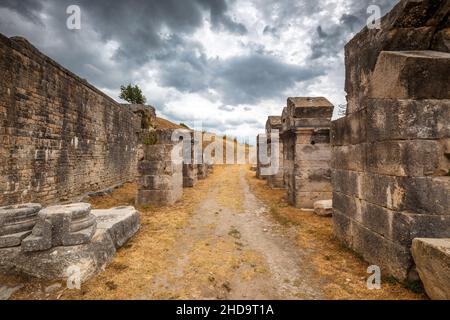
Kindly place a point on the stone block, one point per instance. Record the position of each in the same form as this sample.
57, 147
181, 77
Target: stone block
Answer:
313, 152
411, 75
415, 195
120, 223
347, 182
350, 129
17, 222
306, 200
324, 208
349, 157
393, 119
405, 158
315, 179
392, 258
432, 258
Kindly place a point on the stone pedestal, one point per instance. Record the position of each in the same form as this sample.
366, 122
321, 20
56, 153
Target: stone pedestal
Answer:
307, 151
160, 171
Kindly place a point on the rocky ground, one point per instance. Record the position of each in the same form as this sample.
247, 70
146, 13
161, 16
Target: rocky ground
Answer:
230, 237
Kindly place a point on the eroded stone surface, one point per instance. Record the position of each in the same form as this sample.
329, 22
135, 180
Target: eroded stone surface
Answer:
432, 258
120, 223
115, 227
160, 180
307, 151
64, 225
17, 222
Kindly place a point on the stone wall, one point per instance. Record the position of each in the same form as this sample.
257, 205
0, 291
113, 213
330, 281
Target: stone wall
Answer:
60, 137
391, 153
273, 124
307, 151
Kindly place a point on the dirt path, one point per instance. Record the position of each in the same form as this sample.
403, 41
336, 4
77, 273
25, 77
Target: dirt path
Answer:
230, 237
231, 250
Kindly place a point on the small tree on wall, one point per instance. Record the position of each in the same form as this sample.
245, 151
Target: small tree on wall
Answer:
132, 94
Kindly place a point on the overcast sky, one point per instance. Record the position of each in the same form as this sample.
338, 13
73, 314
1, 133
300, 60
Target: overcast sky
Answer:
226, 63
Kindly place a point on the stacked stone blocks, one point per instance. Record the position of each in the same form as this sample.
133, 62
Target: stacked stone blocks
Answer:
160, 171
391, 155
307, 151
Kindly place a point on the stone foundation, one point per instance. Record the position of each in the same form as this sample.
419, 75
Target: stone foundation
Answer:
306, 150
391, 154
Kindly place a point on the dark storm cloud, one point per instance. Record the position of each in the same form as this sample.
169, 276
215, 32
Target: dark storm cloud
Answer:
252, 78
159, 35
28, 8
330, 39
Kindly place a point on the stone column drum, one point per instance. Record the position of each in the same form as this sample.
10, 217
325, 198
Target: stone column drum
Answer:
63, 225
16, 223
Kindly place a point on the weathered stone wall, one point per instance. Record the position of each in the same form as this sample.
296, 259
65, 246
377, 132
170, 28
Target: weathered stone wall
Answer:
59, 136
391, 152
273, 124
307, 151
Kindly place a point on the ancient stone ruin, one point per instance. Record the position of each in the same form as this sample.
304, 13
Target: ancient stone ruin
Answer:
52, 243
17, 223
391, 153
160, 179
62, 137
306, 150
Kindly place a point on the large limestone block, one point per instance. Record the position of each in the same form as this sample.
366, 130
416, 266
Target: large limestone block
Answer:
17, 223
120, 223
410, 158
423, 195
59, 263
394, 119
411, 25
392, 258
115, 227
411, 75
347, 182
398, 227
432, 258
349, 157
350, 129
